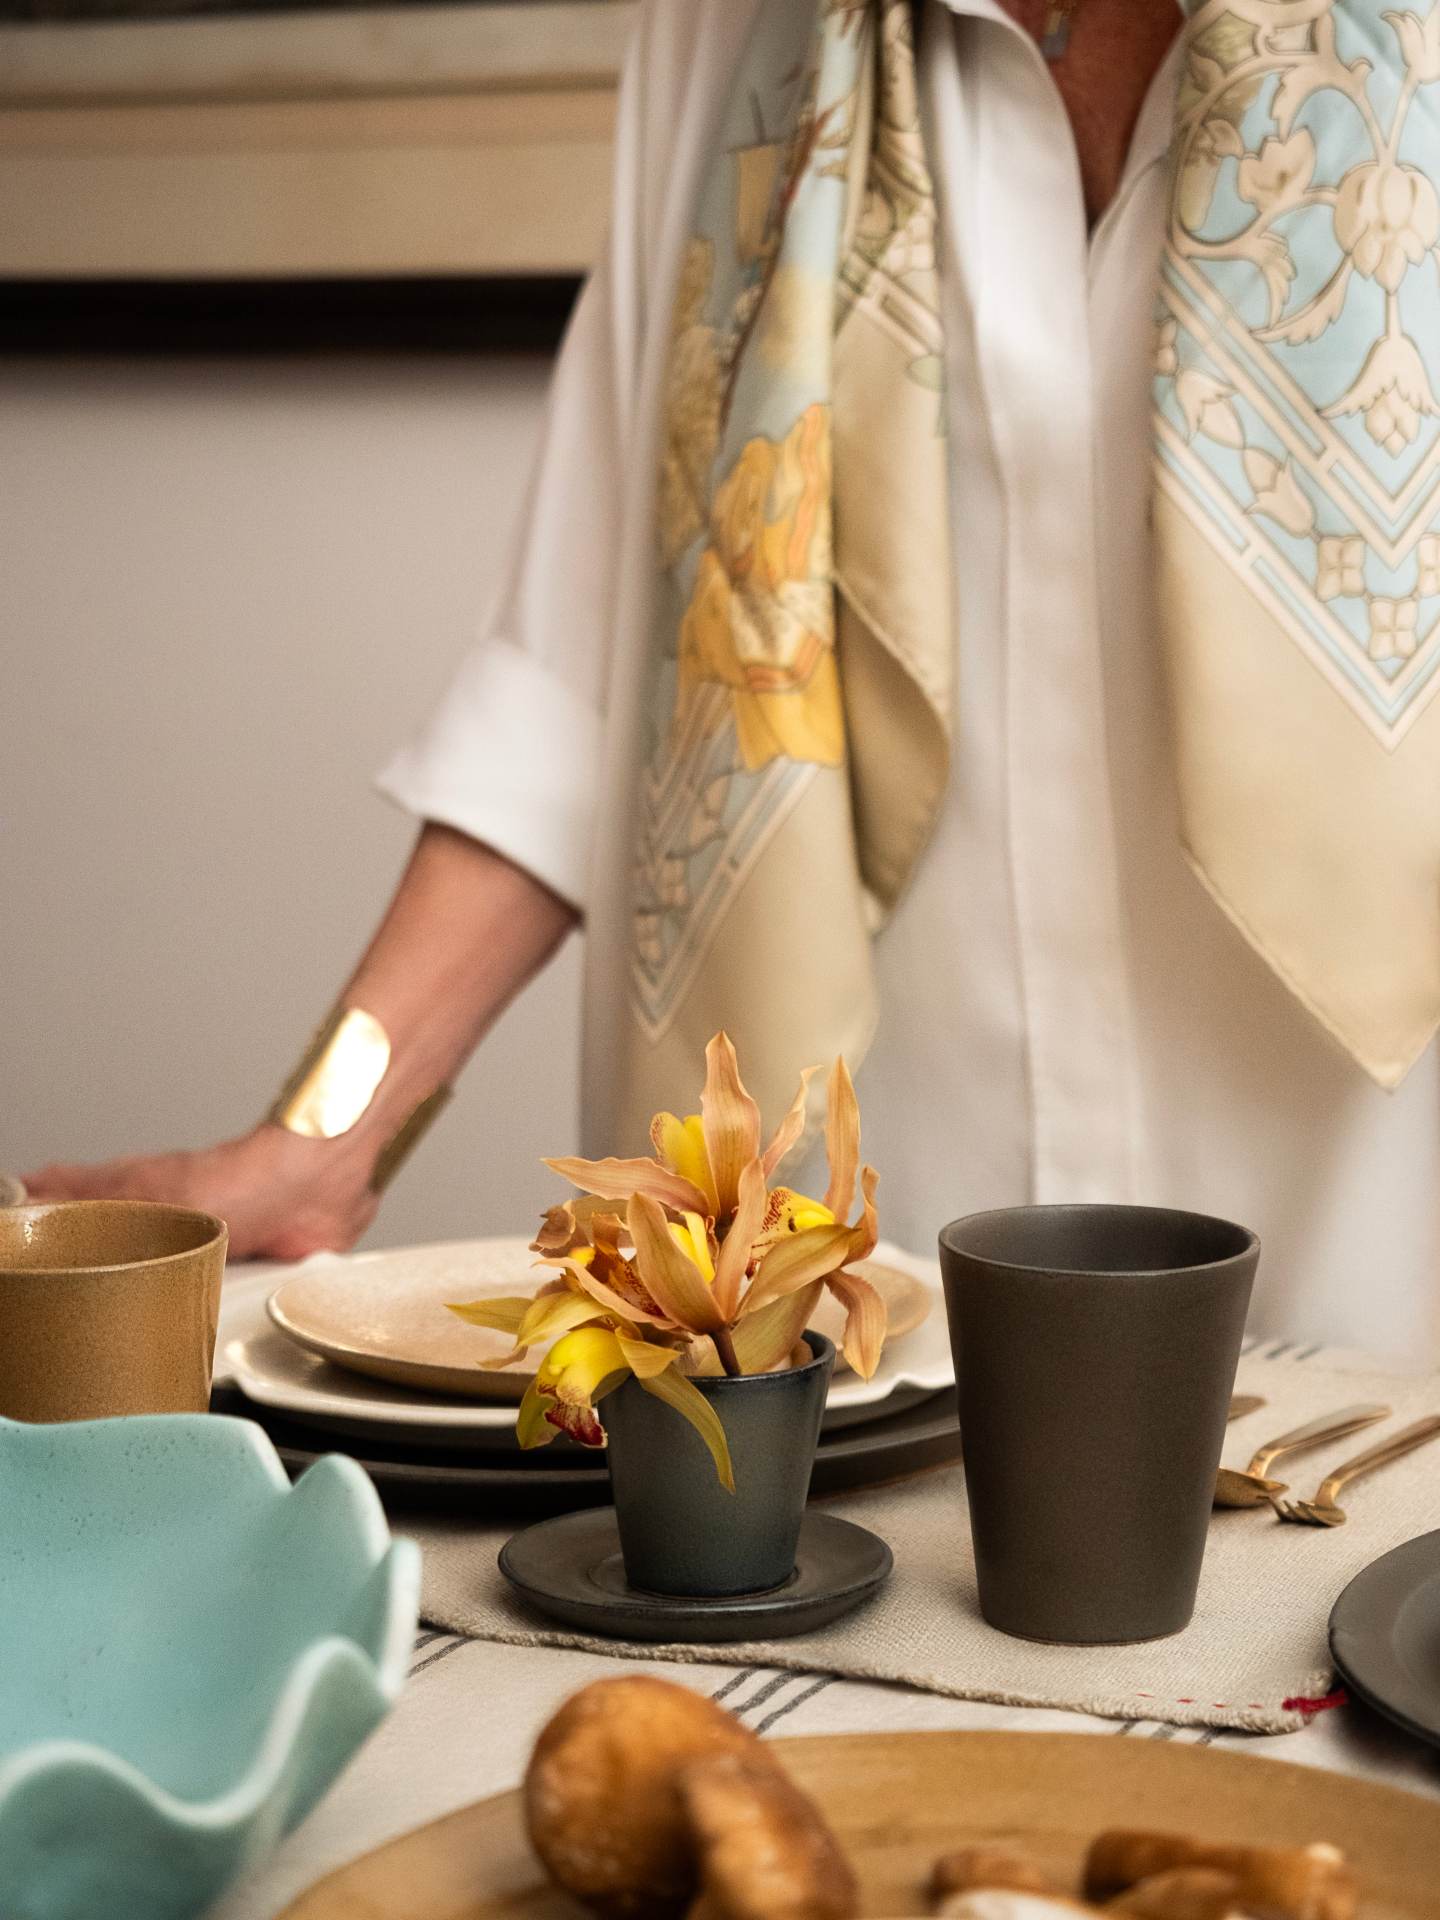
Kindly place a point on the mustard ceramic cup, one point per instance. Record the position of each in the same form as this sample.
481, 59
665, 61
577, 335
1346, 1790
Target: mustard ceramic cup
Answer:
107, 1307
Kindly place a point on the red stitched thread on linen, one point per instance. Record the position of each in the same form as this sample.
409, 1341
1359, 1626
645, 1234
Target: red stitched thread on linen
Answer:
1301, 1703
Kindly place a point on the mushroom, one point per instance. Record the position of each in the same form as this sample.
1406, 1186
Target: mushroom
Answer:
762, 1848
602, 1798
646, 1801
1282, 1883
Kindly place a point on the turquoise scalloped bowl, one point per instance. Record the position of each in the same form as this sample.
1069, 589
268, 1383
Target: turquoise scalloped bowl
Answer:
190, 1652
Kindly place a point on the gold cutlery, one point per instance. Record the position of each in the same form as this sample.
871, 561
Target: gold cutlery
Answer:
1248, 1487
1244, 1403
1323, 1511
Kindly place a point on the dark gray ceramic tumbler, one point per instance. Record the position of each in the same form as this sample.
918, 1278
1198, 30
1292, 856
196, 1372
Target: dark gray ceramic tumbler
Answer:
680, 1531
1095, 1348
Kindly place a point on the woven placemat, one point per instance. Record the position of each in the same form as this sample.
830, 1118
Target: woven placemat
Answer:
1254, 1656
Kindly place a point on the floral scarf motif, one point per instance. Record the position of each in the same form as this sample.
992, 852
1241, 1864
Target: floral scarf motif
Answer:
800, 705
800, 700
1298, 515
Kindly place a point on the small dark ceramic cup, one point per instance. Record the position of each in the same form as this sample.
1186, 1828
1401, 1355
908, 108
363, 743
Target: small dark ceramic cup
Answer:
107, 1307
680, 1531
1095, 1350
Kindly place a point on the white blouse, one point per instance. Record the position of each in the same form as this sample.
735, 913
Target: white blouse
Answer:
1065, 1013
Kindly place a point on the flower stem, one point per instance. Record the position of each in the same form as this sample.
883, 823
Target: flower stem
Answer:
725, 1347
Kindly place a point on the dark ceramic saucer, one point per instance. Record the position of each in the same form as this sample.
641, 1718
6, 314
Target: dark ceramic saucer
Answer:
1385, 1636
571, 1569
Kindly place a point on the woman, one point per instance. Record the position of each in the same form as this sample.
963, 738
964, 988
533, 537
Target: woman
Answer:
1082, 953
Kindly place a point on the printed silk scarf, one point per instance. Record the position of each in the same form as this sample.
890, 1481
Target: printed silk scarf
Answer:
801, 693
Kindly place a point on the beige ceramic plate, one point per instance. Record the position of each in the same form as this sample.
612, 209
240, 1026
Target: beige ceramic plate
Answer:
12, 1191
897, 1801
384, 1314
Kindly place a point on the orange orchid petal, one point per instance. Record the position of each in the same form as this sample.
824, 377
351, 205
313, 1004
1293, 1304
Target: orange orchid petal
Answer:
732, 1123
702, 1362
842, 1140
672, 1277
618, 1179
645, 1359
765, 1338
736, 1247
612, 1302
866, 1234
685, 1397
505, 1313
552, 1314
790, 1128
570, 1225
797, 1260
866, 1316
555, 1309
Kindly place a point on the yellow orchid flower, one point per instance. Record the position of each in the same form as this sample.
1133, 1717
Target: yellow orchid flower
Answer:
693, 1239
680, 1146
578, 1370
583, 1366
797, 1211
692, 1256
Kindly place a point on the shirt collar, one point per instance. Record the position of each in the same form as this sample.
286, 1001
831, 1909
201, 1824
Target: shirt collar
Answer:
992, 10
1155, 127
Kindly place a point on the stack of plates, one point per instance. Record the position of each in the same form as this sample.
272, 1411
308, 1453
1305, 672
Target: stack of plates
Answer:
358, 1353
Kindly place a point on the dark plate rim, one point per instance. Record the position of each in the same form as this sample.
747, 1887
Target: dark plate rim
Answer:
1379, 1690
847, 1444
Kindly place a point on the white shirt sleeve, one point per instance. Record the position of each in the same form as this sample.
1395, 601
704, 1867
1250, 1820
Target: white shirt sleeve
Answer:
509, 756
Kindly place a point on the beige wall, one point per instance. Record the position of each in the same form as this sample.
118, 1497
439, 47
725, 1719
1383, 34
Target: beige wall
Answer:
225, 590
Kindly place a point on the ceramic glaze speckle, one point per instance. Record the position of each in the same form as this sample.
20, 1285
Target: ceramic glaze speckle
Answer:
193, 1652
109, 1307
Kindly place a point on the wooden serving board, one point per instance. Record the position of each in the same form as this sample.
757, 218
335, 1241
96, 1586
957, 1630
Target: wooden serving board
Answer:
897, 1801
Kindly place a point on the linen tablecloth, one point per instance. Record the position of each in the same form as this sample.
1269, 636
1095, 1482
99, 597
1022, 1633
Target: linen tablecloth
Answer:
465, 1724
1254, 1656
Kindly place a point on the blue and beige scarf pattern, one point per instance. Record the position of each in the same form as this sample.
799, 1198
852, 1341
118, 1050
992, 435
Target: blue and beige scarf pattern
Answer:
1298, 519
800, 697
800, 704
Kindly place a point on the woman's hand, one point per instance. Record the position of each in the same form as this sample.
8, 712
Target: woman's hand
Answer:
281, 1196
463, 934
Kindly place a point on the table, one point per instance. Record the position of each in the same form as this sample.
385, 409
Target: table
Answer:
465, 1724
464, 1727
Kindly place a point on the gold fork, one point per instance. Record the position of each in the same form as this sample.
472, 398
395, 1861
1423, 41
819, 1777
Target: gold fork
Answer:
1323, 1511
1249, 1487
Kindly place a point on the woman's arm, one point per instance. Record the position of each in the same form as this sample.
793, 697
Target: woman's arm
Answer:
464, 933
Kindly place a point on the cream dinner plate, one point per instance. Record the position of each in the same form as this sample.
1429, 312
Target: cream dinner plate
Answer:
296, 1371
271, 1370
385, 1314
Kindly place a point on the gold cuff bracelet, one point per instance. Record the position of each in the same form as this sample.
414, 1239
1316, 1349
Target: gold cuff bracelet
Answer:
335, 1082
336, 1078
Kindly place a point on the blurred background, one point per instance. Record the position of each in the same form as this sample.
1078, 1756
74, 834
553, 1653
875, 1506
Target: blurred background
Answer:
279, 292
